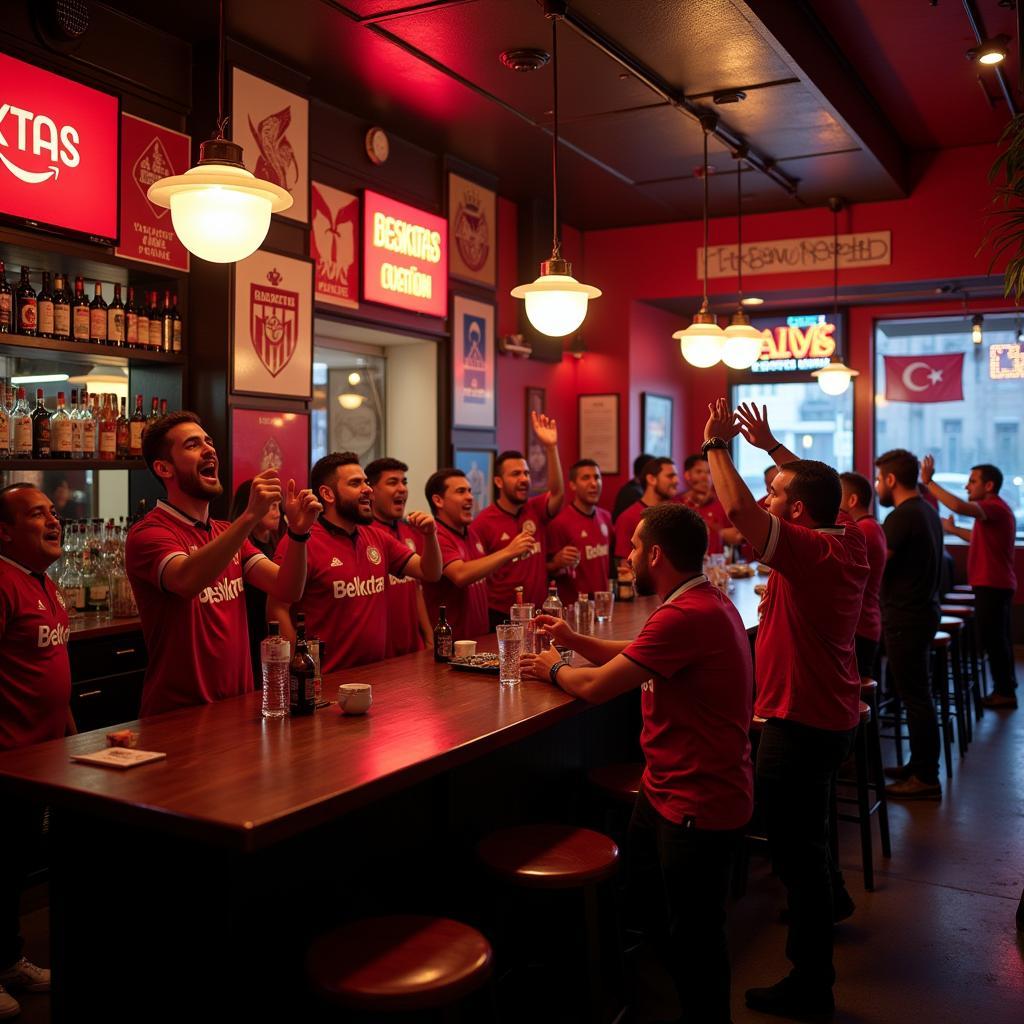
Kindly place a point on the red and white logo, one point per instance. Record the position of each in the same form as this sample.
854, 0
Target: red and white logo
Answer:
472, 232
373, 555
153, 164
334, 242
273, 323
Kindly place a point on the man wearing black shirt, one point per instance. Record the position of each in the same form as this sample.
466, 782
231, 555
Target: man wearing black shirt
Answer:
910, 616
632, 490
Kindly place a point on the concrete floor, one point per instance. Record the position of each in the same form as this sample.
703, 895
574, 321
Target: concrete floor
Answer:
935, 942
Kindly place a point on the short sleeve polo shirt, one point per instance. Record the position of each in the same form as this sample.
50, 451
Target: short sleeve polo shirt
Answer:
990, 555
592, 535
495, 528
404, 636
465, 607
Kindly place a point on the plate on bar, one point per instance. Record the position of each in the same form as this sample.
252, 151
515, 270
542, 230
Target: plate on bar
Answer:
486, 662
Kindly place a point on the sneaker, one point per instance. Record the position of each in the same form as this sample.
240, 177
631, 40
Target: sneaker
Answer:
914, 789
26, 976
9, 1006
1000, 701
788, 999
898, 772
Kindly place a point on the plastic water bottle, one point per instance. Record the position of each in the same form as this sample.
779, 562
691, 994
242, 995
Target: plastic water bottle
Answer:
275, 655
552, 603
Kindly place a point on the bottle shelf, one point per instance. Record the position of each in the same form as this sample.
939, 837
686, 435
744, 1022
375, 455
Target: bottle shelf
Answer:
44, 464
85, 352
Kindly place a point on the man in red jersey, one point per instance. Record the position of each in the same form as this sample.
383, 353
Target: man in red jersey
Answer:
409, 629
989, 568
345, 600
857, 497
35, 691
581, 537
808, 686
514, 511
187, 570
691, 661
662, 483
701, 497
462, 588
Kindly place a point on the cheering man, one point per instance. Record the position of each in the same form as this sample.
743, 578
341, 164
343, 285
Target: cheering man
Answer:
187, 570
409, 629
514, 511
580, 537
661, 484
989, 568
701, 497
692, 663
808, 686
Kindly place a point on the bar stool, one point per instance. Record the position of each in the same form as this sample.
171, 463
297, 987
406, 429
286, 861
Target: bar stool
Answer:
958, 597
963, 588
972, 662
558, 857
940, 688
619, 782
399, 964
961, 698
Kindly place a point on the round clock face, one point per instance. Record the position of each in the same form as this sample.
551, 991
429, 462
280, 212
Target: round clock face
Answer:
377, 146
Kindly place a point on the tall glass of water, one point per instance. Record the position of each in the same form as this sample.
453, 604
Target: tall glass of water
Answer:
523, 614
603, 605
510, 648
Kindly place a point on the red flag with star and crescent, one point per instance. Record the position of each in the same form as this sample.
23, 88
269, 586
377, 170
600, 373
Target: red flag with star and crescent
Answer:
925, 378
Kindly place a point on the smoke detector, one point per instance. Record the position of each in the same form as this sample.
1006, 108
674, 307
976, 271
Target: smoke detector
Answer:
524, 59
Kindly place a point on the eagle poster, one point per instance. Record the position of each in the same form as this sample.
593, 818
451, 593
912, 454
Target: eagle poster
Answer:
334, 244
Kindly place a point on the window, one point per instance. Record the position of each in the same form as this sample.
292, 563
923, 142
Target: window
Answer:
348, 409
806, 420
982, 427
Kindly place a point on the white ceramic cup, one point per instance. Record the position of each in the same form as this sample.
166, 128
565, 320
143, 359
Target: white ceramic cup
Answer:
355, 698
465, 648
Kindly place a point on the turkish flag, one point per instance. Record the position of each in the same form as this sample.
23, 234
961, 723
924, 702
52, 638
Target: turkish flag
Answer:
924, 378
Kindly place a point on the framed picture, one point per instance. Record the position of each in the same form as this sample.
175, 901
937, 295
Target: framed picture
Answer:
272, 127
359, 429
478, 465
656, 422
264, 439
536, 453
599, 430
472, 363
472, 228
334, 245
272, 338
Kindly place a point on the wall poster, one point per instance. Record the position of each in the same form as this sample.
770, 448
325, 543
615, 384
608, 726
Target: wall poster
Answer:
599, 430
472, 363
472, 229
334, 245
262, 439
478, 465
536, 454
656, 423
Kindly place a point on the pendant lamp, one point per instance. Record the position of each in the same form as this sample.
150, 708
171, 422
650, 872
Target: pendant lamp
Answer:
835, 378
742, 340
556, 303
702, 342
220, 211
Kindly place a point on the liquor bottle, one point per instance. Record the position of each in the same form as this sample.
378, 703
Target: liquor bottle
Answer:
75, 415
301, 672
444, 639
123, 431
6, 303
108, 430
27, 307
40, 428
80, 312
115, 319
131, 320
89, 425
136, 426
163, 407
70, 582
155, 322
44, 308
95, 580
178, 337
22, 429
154, 411
5, 425
167, 324
142, 314
61, 309
60, 431
552, 603
98, 316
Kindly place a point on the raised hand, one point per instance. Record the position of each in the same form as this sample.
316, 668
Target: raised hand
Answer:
545, 428
301, 508
754, 426
521, 544
949, 524
566, 557
927, 469
423, 522
721, 421
266, 489
538, 666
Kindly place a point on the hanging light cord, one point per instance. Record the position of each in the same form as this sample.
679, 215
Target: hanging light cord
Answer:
556, 242
221, 119
739, 232
705, 173
835, 263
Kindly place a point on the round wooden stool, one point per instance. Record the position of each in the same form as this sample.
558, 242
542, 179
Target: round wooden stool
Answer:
941, 649
963, 588
399, 963
973, 662
954, 626
619, 782
958, 597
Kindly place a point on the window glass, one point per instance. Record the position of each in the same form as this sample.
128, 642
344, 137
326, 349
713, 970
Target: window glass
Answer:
348, 410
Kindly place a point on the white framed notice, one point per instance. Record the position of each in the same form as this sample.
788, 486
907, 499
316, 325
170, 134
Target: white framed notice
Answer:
272, 339
472, 363
599, 430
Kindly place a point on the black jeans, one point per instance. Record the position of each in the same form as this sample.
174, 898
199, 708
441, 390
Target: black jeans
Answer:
18, 848
867, 656
795, 765
678, 879
993, 611
908, 649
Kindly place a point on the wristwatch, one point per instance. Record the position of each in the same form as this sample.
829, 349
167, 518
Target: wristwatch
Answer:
299, 538
713, 443
554, 670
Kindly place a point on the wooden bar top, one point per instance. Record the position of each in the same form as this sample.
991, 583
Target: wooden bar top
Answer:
233, 779
112, 627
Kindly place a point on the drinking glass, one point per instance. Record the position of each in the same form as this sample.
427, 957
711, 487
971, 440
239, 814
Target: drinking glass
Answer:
585, 616
510, 647
523, 614
603, 602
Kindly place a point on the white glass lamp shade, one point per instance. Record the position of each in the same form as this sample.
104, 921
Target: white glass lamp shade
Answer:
350, 400
742, 346
835, 378
556, 304
220, 212
701, 343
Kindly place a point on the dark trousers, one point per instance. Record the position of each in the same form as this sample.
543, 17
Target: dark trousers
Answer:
795, 765
18, 849
867, 656
678, 880
908, 649
993, 611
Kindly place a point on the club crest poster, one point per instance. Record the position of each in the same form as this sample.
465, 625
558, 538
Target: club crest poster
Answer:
472, 229
333, 245
272, 127
261, 439
273, 326
473, 363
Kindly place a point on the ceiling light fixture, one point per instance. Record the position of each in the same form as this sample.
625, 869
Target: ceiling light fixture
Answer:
989, 51
835, 378
556, 303
751, 300
220, 211
742, 340
977, 328
702, 342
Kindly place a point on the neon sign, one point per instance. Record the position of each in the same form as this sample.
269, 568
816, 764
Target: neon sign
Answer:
802, 343
405, 256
